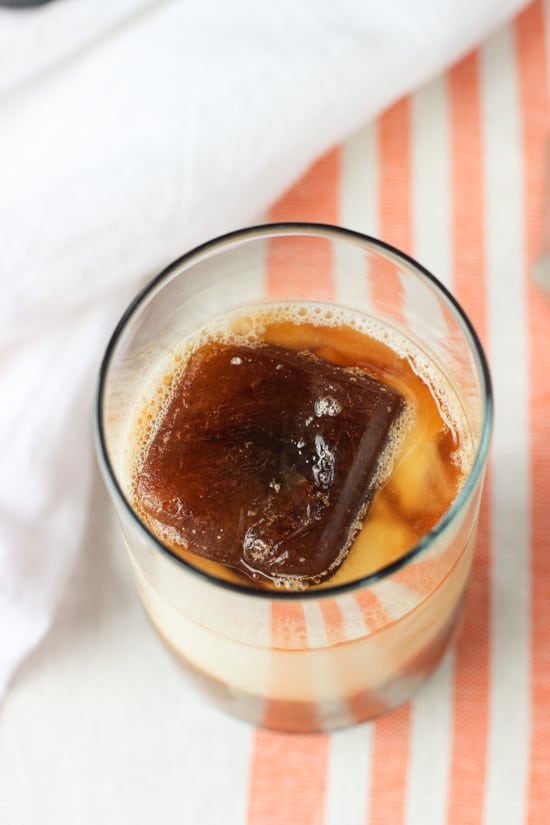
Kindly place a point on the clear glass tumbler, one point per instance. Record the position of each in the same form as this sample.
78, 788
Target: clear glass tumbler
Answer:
317, 659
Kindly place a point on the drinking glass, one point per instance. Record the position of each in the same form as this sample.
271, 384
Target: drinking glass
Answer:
312, 660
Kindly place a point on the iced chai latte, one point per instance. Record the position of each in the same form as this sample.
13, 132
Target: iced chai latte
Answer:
297, 461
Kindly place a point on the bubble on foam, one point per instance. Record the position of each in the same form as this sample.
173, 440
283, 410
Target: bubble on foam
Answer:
327, 406
166, 534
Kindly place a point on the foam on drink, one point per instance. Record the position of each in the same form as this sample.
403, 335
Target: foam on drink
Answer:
414, 484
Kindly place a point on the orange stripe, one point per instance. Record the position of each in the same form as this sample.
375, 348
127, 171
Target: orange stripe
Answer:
334, 622
313, 199
288, 774
471, 685
394, 150
372, 610
390, 757
394, 203
288, 626
288, 779
535, 113
292, 717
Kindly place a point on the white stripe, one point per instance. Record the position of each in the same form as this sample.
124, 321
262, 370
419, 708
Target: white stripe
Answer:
430, 202
350, 268
317, 637
349, 768
430, 749
358, 209
395, 598
315, 624
431, 723
352, 615
507, 760
359, 182
431, 196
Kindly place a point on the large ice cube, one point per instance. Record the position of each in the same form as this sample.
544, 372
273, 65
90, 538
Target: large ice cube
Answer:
266, 460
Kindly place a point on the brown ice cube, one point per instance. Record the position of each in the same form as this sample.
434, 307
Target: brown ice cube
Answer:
266, 460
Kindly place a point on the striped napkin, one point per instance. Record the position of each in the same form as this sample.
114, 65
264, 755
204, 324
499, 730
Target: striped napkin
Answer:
455, 175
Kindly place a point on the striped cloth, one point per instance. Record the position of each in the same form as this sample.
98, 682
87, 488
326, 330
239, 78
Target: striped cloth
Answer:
455, 176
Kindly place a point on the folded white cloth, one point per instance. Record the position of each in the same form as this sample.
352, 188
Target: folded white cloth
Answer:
130, 131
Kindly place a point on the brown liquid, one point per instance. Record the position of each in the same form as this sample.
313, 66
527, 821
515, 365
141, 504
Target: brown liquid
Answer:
267, 458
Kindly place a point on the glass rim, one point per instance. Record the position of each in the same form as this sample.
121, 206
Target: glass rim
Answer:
286, 229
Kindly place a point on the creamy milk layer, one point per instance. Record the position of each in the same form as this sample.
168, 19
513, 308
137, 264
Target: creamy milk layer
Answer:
319, 674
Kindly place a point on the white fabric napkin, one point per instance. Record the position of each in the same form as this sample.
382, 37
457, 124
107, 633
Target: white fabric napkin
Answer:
130, 131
